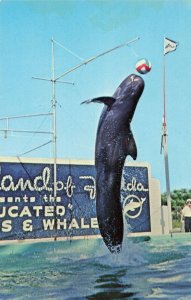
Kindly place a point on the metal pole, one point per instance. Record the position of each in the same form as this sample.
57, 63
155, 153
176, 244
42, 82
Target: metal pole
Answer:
165, 146
54, 136
54, 121
25, 116
25, 131
95, 57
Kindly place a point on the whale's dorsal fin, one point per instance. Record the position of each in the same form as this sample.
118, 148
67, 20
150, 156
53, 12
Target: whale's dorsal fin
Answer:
130, 146
105, 99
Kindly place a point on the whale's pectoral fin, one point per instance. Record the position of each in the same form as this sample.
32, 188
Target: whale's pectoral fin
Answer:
106, 100
130, 146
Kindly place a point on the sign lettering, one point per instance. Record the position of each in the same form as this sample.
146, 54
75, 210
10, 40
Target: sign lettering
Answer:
28, 208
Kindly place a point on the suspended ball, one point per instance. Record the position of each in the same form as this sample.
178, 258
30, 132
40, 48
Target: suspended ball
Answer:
143, 66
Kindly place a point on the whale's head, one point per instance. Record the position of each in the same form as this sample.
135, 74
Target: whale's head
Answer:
128, 94
131, 87
135, 85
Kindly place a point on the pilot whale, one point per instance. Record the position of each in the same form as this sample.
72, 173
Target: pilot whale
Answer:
114, 142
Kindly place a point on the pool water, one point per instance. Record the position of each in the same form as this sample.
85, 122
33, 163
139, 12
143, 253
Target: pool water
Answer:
159, 268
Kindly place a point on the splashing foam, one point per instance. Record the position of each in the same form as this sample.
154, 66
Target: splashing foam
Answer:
132, 254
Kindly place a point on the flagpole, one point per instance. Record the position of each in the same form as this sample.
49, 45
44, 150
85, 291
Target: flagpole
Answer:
165, 148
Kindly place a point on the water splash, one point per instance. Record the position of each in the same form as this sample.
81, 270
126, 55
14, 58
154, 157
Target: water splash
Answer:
132, 254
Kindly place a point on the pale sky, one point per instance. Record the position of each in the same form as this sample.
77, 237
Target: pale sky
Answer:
88, 28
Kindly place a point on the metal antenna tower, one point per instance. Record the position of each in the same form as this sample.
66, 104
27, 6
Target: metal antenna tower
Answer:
53, 81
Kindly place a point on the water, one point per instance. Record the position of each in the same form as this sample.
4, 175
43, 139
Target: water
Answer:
156, 269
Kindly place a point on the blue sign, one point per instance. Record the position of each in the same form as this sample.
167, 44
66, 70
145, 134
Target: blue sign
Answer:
135, 198
29, 210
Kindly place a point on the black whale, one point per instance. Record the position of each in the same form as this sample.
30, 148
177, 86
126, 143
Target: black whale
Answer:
114, 142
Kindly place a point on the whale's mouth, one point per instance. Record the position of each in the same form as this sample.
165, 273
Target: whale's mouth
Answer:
133, 78
136, 84
134, 81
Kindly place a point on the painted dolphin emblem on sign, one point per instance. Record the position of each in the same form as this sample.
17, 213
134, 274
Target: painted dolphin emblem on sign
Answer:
132, 206
113, 143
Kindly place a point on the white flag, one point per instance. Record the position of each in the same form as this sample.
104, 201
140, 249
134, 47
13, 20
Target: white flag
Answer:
169, 45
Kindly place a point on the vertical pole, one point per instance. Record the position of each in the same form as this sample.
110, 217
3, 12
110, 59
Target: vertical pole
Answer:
165, 146
54, 123
6, 131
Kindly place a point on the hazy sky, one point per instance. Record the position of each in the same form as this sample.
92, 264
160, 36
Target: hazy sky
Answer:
88, 28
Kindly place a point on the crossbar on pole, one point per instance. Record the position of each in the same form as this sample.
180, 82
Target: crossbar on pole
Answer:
50, 80
25, 116
26, 131
95, 57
